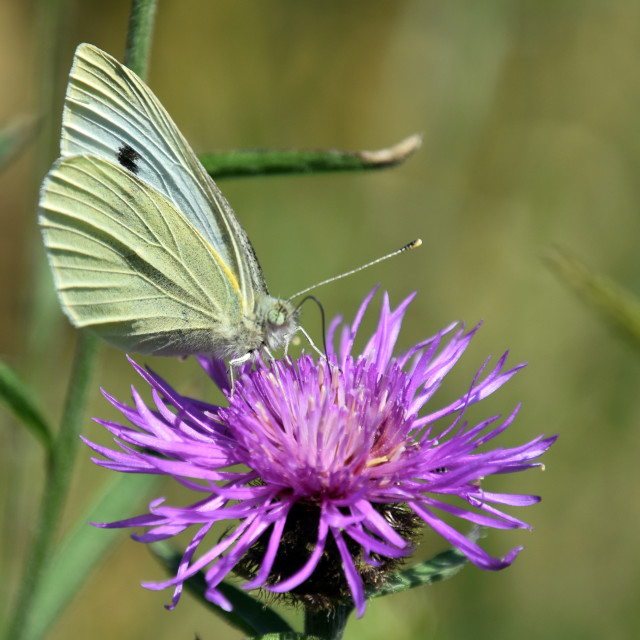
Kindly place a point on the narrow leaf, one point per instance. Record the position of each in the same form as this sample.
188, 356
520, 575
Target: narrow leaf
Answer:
249, 615
255, 162
82, 549
615, 305
292, 635
19, 399
13, 138
444, 565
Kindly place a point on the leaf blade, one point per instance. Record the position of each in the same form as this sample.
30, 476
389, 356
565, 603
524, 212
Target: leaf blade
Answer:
19, 400
262, 162
249, 614
617, 306
441, 567
80, 552
14, 136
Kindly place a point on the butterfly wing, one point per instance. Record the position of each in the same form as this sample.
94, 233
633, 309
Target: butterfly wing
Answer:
130, 266
111, 114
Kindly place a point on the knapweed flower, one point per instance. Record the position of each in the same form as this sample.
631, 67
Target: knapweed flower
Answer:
323, 473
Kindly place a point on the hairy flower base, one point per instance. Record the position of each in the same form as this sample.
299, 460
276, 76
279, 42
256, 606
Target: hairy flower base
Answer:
337, 465
326, 586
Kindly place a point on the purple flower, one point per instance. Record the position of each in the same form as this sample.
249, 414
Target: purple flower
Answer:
324, 472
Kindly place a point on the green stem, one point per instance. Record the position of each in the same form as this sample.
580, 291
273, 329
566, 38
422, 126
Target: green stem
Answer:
57, 481
136, 55
327, 625
66, 443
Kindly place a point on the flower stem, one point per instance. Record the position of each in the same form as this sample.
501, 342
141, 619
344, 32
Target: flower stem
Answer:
57, 481
141, 18
66, 443
327, 625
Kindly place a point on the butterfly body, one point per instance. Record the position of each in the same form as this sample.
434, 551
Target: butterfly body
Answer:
144, 248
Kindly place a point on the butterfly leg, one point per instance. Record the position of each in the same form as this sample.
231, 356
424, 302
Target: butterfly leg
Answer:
311, 344
237, 362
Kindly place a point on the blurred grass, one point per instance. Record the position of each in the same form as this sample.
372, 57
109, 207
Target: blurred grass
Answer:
529, 111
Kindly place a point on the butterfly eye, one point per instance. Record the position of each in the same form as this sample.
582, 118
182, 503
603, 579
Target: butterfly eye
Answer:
277, 316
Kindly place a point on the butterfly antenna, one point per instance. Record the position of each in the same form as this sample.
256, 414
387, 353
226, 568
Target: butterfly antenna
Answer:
412, 245
324, 333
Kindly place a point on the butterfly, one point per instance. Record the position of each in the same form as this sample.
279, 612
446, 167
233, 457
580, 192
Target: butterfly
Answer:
144, 248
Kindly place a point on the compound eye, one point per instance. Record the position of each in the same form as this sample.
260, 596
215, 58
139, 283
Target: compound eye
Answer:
277, 316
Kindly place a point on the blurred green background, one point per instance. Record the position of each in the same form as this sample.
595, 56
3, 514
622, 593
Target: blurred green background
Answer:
530, 118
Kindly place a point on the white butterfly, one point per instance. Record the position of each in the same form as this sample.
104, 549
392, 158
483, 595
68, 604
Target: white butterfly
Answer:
144, 248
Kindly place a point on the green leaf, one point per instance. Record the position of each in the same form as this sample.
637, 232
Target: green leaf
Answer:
618, 307
82, 549
13, 138
249, 615
292, 635
441, 567
19, 399
255, 162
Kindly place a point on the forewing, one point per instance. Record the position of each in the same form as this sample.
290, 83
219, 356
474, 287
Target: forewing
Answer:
110, 113
129, 265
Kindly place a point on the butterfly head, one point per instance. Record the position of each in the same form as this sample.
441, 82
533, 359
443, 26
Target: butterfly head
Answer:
280, 322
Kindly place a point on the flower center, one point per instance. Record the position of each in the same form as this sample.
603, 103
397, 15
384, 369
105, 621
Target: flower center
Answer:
320, 431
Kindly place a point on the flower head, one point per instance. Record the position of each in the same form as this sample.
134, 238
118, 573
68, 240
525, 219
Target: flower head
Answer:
325, 469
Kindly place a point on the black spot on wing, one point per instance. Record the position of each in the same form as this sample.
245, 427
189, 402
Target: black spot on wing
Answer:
128, 157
